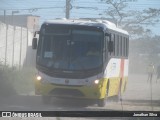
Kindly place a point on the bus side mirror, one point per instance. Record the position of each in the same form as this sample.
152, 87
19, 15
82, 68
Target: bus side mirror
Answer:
34, 43
110, 46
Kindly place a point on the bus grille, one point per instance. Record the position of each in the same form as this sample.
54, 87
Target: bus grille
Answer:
66, 92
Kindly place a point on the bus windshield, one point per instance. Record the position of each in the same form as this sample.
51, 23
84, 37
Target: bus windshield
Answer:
79, 50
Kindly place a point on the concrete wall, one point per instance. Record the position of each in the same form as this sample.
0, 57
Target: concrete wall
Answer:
15, 46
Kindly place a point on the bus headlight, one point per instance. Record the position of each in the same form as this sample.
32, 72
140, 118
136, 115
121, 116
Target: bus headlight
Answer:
38, 77
96, 81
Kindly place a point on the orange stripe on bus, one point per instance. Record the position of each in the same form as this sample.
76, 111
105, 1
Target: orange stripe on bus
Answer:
122, 68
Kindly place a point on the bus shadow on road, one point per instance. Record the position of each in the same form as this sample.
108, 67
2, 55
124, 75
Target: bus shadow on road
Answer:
71, 103
80, 104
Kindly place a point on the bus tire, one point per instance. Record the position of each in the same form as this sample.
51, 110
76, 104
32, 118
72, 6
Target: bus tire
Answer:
107, 93
124, 87
46, 99
101, 102
118, 97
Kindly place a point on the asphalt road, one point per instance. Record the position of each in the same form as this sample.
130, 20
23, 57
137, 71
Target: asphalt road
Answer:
140, 95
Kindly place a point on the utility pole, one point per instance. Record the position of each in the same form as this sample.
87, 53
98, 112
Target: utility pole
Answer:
4, 18
68, 7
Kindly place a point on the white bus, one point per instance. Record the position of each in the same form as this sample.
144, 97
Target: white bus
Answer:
81, 59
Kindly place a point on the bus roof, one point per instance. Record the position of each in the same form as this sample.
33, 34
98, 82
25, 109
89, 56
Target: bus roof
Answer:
97, 23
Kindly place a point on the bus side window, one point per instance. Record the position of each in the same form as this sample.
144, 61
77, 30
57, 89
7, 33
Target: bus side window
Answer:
121, 46
119, 42
117, 45
125, 47
105, 47
127, 44
111, 45
114, 39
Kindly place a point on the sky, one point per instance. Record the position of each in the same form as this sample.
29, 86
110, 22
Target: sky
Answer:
50, 9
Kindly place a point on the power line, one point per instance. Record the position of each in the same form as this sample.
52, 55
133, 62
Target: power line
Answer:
36, 8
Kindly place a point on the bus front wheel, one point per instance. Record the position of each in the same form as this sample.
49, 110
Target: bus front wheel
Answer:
101, 102
117, 98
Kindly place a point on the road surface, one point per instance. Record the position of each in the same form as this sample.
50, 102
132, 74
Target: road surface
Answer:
140, 95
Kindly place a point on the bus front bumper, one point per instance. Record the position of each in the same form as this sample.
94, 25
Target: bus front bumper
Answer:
95, 91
